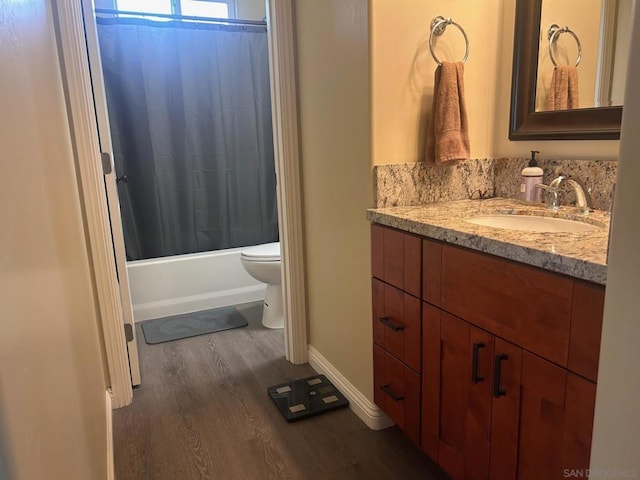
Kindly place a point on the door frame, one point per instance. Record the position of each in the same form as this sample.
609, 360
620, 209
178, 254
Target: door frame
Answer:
75, 71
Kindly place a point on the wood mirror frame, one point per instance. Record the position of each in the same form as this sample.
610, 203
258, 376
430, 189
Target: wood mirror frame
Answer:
601, 123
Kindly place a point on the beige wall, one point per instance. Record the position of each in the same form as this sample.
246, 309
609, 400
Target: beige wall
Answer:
52, 385
402, 80
251, 9
333, 72
402, 71
502, 147
583, 18
617, 422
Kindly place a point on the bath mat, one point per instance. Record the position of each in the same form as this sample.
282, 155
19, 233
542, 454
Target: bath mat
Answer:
306, 397
176, 327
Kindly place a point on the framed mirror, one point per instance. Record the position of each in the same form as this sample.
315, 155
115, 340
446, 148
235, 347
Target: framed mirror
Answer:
535, 45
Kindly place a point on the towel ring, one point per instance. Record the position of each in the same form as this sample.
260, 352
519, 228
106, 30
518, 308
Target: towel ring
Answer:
553, 34
438, 26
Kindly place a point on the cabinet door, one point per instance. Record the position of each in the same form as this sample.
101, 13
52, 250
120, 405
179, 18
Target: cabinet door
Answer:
396, 323
462, 383
505, 417
556, 421
397, 392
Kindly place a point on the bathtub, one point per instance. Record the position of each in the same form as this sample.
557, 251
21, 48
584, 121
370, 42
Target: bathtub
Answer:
188, 283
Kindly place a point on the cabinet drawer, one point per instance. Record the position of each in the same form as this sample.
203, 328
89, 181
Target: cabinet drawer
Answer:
523, 304
396, 323
397, 392
396, 258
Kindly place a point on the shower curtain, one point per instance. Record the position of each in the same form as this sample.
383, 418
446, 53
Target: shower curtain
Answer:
190, 115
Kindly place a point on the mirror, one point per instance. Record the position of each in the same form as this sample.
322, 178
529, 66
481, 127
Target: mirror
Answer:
601, 35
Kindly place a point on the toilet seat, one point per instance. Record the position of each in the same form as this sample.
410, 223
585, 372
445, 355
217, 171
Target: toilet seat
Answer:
268, 252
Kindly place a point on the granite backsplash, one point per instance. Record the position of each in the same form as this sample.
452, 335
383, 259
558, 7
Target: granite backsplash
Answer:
409, 184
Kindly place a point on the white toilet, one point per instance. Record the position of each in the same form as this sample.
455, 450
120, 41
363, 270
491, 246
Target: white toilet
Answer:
262, 262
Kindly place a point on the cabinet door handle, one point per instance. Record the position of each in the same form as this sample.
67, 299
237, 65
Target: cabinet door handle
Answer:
475, 378
393, 326
497, 371
385, 388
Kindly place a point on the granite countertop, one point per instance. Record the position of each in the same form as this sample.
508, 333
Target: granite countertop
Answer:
580, 255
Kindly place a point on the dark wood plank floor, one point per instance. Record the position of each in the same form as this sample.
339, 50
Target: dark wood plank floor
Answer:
202, 412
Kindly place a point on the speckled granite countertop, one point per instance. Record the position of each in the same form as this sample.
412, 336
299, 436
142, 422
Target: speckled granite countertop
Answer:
580, 255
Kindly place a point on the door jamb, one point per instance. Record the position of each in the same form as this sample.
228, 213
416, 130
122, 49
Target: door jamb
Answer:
84, 128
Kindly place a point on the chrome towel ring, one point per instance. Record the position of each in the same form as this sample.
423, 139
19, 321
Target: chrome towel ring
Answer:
438, 26
553, 34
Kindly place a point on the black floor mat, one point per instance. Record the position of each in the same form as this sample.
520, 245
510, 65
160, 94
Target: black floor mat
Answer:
306, 397
176, 327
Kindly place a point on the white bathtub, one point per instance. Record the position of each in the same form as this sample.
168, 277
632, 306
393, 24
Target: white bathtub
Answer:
188, 283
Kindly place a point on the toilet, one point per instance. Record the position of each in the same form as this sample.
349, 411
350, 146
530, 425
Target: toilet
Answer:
262, 262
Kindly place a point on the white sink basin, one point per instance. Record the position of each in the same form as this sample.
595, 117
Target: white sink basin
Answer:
528, 223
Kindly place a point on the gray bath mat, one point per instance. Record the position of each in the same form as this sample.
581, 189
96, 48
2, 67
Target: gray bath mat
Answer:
175, 327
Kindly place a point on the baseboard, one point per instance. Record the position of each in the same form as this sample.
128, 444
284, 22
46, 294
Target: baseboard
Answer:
111, 471
195, 303
367, 411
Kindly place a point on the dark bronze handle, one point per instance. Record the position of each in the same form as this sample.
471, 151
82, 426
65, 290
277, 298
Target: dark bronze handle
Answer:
497, 371
475, 378
385, 388
393, 326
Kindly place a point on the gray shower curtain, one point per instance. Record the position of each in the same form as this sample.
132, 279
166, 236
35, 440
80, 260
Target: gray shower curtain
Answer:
190, 115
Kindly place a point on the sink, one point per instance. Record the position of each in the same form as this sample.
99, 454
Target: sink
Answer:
529, 223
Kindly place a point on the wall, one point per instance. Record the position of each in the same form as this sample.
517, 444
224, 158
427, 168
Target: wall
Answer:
617, 421
502, 147
333, 73
402, 71
583, 18
52, 383
251, 9
402, 81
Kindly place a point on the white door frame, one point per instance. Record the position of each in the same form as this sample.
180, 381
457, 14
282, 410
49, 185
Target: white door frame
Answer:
76, 75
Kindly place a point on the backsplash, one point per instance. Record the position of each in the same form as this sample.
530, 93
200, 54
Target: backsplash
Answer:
409, 184
598, 175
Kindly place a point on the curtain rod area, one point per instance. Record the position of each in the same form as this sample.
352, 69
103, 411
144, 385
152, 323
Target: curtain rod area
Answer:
229, 21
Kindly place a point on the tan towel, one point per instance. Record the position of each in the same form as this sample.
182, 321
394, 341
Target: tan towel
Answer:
563, 94
448, 132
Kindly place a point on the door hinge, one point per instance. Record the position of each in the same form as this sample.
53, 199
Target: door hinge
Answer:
128, 332
106, 163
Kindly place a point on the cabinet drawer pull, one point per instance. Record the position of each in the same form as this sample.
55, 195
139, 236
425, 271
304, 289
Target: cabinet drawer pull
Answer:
475, 378
385, 388
497, 371
393, 326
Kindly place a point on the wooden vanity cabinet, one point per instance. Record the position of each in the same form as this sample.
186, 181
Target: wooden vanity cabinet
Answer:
509, 357
397, 327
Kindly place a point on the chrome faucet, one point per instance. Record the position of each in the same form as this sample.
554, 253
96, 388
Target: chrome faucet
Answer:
583, 195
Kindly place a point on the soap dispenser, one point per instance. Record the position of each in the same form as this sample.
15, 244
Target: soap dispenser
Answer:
531, 176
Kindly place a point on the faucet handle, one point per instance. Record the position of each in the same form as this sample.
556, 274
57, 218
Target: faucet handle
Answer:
552, 189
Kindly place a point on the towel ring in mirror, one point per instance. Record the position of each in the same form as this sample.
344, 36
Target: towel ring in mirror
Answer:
554, 33
438, 26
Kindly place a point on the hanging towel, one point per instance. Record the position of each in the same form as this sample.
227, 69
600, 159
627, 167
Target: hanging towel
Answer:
563, 94
448, 132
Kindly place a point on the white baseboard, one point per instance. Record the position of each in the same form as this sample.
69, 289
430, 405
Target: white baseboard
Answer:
111, 471
195, 303
367, 411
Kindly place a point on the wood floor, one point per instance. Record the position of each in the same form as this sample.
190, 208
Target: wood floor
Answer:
202, 412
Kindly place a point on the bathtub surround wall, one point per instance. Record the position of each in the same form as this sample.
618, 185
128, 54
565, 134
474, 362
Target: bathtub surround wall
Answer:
409, 184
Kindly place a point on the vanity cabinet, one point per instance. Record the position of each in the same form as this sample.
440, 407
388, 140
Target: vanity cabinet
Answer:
397, 326
508, 360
